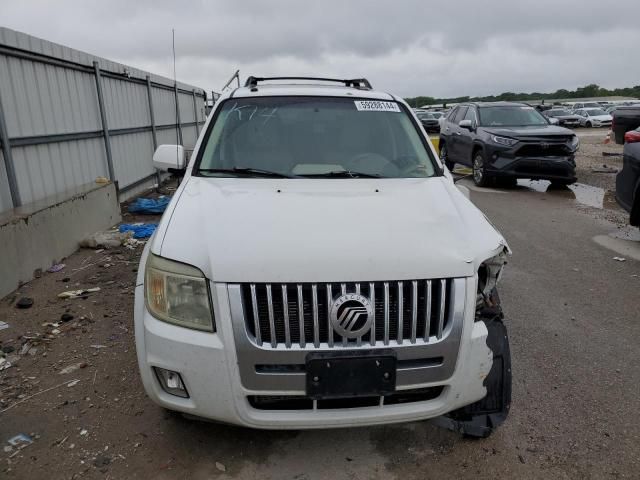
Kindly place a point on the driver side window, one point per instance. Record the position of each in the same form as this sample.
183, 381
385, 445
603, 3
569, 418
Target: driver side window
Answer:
459, 115
471, 115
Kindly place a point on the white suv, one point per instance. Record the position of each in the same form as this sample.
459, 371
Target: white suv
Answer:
317, 267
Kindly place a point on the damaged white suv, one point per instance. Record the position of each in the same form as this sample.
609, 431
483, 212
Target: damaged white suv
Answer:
317, 267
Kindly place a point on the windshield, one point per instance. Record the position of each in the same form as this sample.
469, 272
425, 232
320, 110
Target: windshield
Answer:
437, 114
558, 113
312, 137
593, 112
510, 116
425, 116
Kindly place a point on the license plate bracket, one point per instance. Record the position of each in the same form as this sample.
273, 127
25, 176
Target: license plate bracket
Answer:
344, 375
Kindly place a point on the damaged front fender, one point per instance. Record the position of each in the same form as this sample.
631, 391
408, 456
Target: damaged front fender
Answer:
489, 274
482, 417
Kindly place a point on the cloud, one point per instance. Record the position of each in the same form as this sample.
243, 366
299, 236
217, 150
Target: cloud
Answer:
409, 47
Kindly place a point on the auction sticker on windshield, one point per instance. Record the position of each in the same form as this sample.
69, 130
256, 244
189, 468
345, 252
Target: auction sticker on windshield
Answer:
376, 106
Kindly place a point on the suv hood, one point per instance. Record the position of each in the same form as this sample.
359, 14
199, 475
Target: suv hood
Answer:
533, 131
325, 230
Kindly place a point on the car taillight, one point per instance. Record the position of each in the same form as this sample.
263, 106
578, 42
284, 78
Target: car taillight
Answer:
632, 137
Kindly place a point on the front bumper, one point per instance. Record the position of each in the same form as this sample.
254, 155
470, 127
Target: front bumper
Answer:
209, 366
507, 163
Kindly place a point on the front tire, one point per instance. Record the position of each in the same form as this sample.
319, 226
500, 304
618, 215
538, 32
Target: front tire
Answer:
588, 125
444, 157
480, 177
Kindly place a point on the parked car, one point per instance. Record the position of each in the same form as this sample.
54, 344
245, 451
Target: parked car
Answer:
508, 140
579, 105
313, 263
565, 117
628, 179
593, 117
625, 118
429, 121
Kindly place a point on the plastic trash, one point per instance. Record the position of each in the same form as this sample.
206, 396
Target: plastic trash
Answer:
4, 364
140, 230
3, 325
56, 268
20, 439
132, 243
77, 293
108, 239
70, 368
149, 206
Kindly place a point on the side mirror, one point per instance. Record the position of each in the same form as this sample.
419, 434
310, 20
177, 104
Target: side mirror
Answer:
466, 124
169, 157
553, 121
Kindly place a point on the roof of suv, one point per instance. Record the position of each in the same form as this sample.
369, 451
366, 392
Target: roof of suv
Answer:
313, 90
497, 104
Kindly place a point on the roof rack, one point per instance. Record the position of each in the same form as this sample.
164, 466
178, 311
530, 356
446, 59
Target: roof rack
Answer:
361, 83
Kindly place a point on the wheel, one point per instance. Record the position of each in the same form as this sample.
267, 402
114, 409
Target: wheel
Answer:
588, 125
481, 418
480, 177
444, 157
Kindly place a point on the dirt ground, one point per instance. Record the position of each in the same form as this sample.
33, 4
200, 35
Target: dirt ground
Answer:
74, 389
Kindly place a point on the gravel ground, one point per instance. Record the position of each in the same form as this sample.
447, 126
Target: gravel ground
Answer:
590, 156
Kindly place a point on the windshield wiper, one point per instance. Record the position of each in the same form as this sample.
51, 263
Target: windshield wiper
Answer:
342, 174
246, 171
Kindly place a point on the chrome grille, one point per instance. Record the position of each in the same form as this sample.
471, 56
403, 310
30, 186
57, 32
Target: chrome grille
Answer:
288, 315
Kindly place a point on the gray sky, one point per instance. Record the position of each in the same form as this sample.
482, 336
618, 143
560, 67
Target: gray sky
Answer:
408, 47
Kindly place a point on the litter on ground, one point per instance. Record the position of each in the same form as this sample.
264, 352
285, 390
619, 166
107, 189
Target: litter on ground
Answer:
78, 293
149, 206
24, 302
20, 439
56, 268
140, 230
108, 239
3, 325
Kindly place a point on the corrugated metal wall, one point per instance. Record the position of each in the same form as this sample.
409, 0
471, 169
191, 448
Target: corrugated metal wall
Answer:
50, 119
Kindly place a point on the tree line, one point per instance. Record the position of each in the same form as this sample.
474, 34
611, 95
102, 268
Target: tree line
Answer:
587, 91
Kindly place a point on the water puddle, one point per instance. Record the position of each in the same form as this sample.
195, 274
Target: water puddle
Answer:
585, 194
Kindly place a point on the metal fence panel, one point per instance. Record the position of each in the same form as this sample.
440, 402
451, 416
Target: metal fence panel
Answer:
129, 147
128, 105
164, 106
5, 197
52, 168
57, 140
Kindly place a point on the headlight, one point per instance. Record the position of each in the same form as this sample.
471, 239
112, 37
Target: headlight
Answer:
177, 293
507, 142
575, 142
